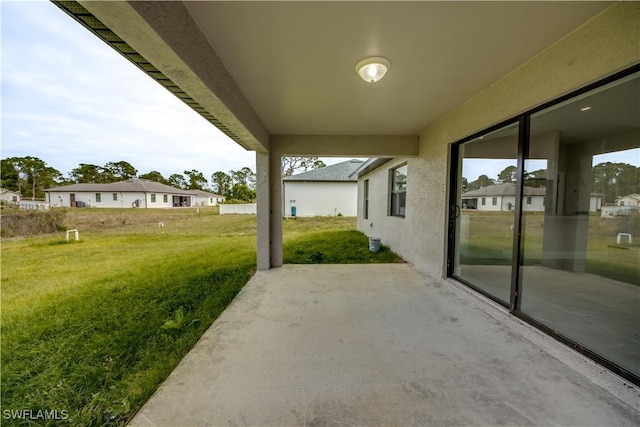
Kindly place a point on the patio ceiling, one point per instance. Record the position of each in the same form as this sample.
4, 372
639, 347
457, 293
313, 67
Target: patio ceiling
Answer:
265, 68
295, 61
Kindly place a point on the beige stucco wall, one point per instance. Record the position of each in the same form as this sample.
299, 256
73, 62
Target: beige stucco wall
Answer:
608, 43
391, 229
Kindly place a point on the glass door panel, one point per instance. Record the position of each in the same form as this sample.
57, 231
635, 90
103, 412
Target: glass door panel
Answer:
485, 201
580, 272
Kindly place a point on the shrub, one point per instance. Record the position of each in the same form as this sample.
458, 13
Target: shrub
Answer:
17, 223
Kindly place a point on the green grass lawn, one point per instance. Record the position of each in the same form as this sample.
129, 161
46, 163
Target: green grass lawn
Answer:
93, 327
489, 241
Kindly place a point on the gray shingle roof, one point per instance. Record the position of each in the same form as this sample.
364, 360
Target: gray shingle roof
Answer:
134, 185
4, 190
334, 173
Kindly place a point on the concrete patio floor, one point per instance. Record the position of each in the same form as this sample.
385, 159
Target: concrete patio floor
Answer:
380, 345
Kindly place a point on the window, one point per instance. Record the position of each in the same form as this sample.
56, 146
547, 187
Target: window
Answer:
115, 197
494, 201
484, 201
398, 194
529, 200
98, 197
153, 198
365, 204
165, 198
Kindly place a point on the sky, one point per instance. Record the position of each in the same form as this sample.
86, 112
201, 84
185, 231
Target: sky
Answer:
68, 98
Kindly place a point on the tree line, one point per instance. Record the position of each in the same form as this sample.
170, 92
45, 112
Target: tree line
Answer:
612, 180
30, 176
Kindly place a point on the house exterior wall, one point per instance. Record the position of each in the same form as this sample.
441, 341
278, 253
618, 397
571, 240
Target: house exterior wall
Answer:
207, 201
489, 206
320, 198
159, 200
627, 201
602, 46
10, 197
124, 199
508, 203
595, 203
394, 231
537, 204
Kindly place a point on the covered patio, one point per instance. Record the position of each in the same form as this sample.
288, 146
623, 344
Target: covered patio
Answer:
369, 344
380, 345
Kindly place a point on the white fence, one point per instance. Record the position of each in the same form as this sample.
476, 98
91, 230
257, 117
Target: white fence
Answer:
33, 205
616, 211
248, 208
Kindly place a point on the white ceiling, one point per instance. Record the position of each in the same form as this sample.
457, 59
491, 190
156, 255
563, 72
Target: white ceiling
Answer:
294, 61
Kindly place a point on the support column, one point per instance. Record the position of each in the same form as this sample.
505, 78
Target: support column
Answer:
263, 211
275, 192
566, 222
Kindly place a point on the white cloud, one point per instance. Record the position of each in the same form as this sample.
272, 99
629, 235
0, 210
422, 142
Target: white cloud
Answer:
68, 98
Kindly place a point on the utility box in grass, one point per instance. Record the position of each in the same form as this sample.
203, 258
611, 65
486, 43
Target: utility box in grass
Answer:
374, 244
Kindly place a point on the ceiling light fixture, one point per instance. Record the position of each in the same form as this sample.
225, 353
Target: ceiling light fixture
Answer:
373, 69
587, 108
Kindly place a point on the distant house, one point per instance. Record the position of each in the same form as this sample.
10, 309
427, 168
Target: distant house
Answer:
327, 191
630, 200
9, 196
502, 197
132, 193
625, 205
205, 198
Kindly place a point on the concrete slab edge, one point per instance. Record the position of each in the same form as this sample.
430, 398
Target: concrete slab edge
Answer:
615, 385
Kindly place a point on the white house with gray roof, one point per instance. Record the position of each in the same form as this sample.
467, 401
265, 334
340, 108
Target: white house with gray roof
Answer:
327, 191
132, 193
502, 197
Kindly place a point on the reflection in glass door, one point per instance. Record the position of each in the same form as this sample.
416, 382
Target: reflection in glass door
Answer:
581, 251
486, 199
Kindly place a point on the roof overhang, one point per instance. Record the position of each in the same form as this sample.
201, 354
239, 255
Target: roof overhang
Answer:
163, 41
369, 165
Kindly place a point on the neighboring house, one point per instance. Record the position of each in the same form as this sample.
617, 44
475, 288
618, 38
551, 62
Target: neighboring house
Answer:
132, 193
205, 198
624, 206
9, 196
328, 191
630, 200
553, 98
502, 197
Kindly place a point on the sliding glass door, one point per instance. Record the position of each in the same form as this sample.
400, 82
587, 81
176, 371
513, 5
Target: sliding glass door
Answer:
545, 219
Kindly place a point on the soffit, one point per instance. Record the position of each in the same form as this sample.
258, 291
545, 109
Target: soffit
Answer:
294, 61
